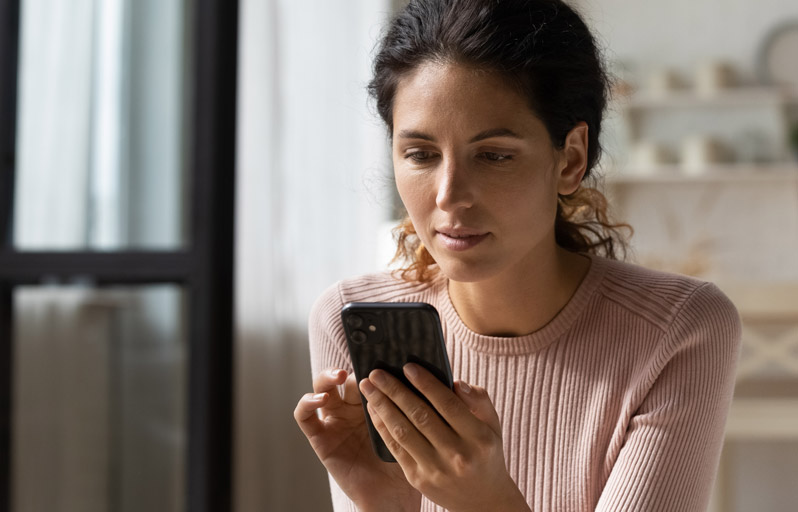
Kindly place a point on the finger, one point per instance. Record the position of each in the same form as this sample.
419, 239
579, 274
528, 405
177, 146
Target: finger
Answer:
448, 404
479, 403
306, 414
402, 457
350, 393
327, 381
399, 434
412, 409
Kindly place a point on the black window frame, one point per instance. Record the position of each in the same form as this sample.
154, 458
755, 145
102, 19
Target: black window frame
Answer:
205, 269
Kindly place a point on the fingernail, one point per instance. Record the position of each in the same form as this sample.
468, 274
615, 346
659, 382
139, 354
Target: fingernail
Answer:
464, 387
366, 387
318, 397
334, 373
411, 370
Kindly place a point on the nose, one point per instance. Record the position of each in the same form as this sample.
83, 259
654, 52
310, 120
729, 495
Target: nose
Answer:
455, 187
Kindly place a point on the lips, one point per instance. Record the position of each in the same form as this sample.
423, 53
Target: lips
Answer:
460, 239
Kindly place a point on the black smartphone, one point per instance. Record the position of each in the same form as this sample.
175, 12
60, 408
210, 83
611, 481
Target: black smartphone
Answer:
388, 335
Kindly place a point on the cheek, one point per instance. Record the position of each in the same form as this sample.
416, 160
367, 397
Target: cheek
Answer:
414, 193
528, 208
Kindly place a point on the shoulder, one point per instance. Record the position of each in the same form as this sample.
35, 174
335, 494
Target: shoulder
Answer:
663, 298
372, 287
677, 326
384, 286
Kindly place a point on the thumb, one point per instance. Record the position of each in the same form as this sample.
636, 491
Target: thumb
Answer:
479, 403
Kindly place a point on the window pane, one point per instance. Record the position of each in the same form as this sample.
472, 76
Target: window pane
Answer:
100, 128
99, 399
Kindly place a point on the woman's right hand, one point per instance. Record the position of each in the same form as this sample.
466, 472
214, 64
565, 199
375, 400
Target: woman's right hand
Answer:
339, 436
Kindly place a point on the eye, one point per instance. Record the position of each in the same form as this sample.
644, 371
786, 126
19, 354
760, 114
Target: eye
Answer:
420, 156
492, 156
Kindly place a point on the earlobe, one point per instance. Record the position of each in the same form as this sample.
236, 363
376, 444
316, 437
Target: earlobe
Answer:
574, 163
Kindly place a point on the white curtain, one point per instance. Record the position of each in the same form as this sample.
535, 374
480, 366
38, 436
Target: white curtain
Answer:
54, 123
313, 188
100, 124
99, 393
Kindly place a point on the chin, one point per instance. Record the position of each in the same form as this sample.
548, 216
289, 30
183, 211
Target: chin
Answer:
465, 271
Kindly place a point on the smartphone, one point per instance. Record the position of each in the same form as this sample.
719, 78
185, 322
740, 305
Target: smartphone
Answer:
388, 335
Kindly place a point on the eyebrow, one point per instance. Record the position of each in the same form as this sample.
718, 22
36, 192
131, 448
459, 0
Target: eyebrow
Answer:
495, 132
487, 134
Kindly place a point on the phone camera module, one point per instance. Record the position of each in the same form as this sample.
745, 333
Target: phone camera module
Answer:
359, 337
354, 321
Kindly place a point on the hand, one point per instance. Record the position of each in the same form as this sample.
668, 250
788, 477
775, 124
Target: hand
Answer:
455, 459
340, 438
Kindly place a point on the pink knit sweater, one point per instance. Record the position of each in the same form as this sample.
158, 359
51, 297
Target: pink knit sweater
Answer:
617, 404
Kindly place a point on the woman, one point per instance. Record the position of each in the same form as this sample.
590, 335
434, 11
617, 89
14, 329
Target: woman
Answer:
583, 383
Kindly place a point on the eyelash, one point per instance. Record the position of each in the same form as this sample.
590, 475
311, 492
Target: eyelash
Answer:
490, 156
419, 156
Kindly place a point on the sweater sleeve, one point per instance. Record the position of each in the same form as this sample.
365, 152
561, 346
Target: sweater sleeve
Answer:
326, 334
328, 350
673, 441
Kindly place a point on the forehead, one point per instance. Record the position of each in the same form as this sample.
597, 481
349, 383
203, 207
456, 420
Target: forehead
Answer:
456, 95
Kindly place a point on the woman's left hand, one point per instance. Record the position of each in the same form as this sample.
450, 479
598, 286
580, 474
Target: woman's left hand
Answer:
457, 463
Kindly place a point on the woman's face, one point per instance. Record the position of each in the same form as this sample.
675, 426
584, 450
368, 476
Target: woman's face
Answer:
476, 170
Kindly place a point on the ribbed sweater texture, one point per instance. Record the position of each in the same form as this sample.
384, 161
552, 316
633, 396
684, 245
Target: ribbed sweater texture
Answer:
617, 404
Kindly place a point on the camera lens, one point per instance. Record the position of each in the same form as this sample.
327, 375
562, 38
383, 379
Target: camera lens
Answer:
354, 321
359, 337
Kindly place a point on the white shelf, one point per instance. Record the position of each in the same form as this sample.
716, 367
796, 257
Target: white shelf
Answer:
732, 97
717, 173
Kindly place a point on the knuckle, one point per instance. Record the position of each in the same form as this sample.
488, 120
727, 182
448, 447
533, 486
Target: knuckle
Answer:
392, 387
399, 433
420, 416
303, 408
413, 477
393, 446
438, 479
304, 398
321, 384
376, 401
462, 463
425, 481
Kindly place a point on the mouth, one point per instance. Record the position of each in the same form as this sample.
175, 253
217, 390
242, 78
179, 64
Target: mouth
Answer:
460, 239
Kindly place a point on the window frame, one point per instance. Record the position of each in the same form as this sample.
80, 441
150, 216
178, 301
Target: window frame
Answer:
205, 270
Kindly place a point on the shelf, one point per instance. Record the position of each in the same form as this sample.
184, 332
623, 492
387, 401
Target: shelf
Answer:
732, 97
745, 173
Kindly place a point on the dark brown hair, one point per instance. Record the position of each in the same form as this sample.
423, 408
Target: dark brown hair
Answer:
542, 47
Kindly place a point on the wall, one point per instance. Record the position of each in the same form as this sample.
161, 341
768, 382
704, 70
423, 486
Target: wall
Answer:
742, 230
684, 33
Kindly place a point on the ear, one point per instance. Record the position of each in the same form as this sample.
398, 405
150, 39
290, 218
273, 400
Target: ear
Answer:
573, 163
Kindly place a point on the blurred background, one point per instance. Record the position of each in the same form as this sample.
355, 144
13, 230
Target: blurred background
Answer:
701, 158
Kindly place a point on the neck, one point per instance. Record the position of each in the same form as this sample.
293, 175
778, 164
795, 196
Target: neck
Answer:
520, 301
